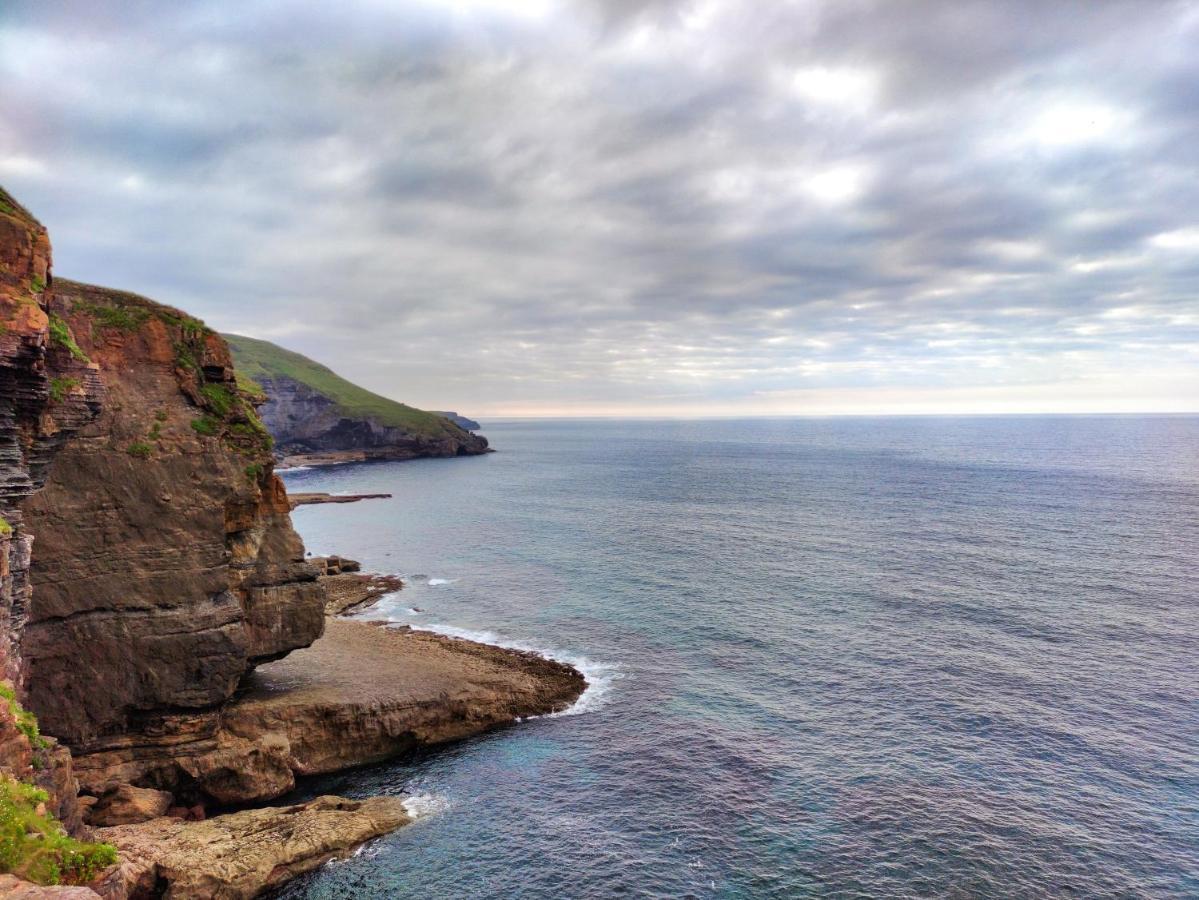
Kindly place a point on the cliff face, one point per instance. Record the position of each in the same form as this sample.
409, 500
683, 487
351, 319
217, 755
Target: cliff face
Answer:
166, 566
315, 415
48, 390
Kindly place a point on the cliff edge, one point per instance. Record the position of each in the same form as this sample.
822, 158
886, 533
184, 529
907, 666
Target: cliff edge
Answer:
316, 416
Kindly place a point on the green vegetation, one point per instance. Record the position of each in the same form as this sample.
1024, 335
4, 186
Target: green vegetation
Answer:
250, 388
25, 721
139, 449
60, 333
218, 398
34, 846
162, 415
6, 207
5, 527
261, 361
206, 425
61, 386
37, 284
254, 471
116, 317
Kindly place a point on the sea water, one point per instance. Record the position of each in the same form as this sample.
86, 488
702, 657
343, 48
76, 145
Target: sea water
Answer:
827, 657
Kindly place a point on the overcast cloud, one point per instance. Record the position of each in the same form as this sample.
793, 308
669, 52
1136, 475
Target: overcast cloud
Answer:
639, 206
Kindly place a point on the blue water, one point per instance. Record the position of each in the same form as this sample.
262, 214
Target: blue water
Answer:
833, 657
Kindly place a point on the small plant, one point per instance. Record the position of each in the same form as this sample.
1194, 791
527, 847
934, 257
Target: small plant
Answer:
38, 284
155, 432
139, 450
8, 208
25, 721
5, 527
33, 845
60, 387
206, 425
218, 398
61, 334
254, 471
162, 415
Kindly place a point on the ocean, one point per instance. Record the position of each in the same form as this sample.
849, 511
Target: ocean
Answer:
841, 657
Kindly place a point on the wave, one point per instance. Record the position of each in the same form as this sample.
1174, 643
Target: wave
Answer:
435, 581
601, 676
421, 806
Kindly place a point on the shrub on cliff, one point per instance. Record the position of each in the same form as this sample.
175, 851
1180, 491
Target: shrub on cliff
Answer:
33, 845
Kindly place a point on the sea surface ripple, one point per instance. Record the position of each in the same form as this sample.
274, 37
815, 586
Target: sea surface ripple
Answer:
910, 657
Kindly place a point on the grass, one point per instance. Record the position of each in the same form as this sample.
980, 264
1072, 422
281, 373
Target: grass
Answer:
61, 386
261, 361
37, 284
116, 317
60, 333
218, 398
139, 450
33, 844
5, 527
207, 426
25, 721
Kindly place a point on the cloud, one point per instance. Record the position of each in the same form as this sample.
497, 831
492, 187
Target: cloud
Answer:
638, 206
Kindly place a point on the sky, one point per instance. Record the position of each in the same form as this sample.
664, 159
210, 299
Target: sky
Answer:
640, 207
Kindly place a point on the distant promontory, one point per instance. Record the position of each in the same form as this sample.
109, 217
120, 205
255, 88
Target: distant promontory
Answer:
318, 417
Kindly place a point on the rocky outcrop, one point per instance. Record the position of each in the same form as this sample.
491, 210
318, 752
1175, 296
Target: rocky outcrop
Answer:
317, 417
363, 693
241, 855
168, 567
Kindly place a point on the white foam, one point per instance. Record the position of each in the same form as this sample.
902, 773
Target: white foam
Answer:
434, 581
421, 806
600, 676
290, 469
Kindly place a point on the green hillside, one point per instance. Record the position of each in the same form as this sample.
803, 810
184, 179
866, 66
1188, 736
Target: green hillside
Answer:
263, 361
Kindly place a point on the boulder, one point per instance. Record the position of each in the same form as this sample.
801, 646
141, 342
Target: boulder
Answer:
125, 804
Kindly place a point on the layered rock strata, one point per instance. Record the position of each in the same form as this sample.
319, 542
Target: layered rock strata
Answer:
361, 694
48, 390
167, 566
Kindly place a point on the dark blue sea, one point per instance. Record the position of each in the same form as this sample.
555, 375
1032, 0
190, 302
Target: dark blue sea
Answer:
852, 657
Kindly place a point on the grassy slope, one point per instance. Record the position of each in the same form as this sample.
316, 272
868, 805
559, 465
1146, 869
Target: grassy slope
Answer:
262, 360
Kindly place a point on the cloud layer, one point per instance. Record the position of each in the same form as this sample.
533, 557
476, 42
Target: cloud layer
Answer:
640, 206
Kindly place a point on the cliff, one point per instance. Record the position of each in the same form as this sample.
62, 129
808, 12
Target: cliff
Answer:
317, 416
149, 626
167, 566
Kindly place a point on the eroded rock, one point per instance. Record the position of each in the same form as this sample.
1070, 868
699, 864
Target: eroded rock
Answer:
125, 804
363, 693
240, 855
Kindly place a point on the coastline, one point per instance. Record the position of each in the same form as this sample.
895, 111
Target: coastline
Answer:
364, 693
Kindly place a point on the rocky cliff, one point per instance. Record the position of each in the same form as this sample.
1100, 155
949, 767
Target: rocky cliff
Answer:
168, 567
148, 624
317, 416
